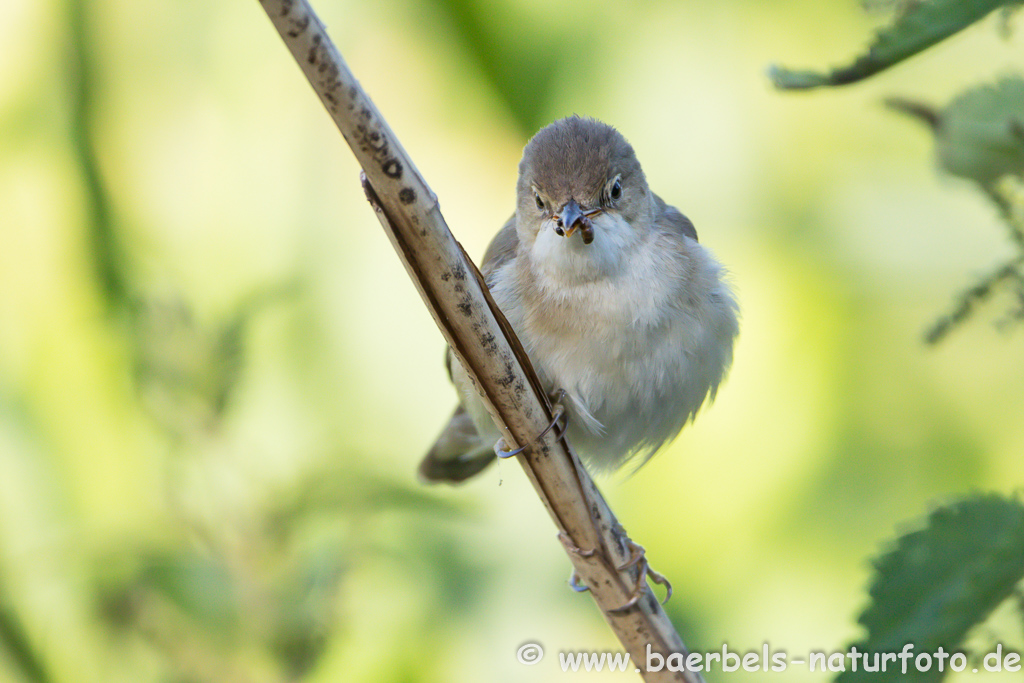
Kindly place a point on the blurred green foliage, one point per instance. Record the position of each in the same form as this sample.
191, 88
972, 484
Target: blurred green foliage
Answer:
216, 381
943, 581
516, 52
979, 136
108, 259
23, 657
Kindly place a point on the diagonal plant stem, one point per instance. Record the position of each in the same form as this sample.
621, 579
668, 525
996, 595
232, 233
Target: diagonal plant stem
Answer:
471, 323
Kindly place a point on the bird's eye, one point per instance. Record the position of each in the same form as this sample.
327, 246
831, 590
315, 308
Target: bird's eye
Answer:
540, 202
616, 190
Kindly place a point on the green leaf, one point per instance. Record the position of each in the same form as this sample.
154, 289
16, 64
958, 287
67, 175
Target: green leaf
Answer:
980, 135
917, 27
941, 581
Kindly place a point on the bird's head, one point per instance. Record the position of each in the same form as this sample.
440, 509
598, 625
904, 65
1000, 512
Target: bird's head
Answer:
581, 193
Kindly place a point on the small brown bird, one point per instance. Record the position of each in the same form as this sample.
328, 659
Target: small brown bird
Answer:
612, 297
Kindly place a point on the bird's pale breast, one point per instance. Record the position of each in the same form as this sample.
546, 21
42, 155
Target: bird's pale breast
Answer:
637, 350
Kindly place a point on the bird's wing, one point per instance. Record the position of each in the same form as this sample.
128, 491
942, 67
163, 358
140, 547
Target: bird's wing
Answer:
501, 249
670, 218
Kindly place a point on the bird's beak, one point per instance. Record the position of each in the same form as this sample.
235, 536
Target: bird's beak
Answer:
570, 218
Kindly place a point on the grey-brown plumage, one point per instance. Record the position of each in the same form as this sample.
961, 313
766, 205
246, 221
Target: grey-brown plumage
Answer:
612, 297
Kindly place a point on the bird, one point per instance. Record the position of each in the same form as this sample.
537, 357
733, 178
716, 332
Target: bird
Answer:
626, 317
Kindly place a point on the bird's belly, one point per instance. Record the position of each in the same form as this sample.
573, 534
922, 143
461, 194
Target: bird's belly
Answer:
627, 391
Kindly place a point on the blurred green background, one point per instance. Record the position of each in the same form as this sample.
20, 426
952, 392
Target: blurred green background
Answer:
216, 379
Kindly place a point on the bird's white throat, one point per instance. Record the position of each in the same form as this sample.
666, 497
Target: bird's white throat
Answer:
564, 261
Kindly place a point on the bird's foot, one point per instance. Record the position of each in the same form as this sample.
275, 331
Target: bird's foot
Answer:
556, 397
638, 559
558, 414
574, 578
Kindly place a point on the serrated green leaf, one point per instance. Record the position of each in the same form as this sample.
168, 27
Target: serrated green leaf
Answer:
980, 135
942, 580
917, 27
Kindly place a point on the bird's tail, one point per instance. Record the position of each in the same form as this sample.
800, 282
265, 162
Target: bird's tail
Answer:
458, 453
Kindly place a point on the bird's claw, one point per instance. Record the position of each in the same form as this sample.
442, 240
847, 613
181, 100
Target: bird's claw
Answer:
574, 578
574, 583
500, 449
558, 413
638, 559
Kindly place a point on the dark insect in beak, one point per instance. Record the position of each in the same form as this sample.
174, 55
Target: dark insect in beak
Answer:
587, 233
572, 218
